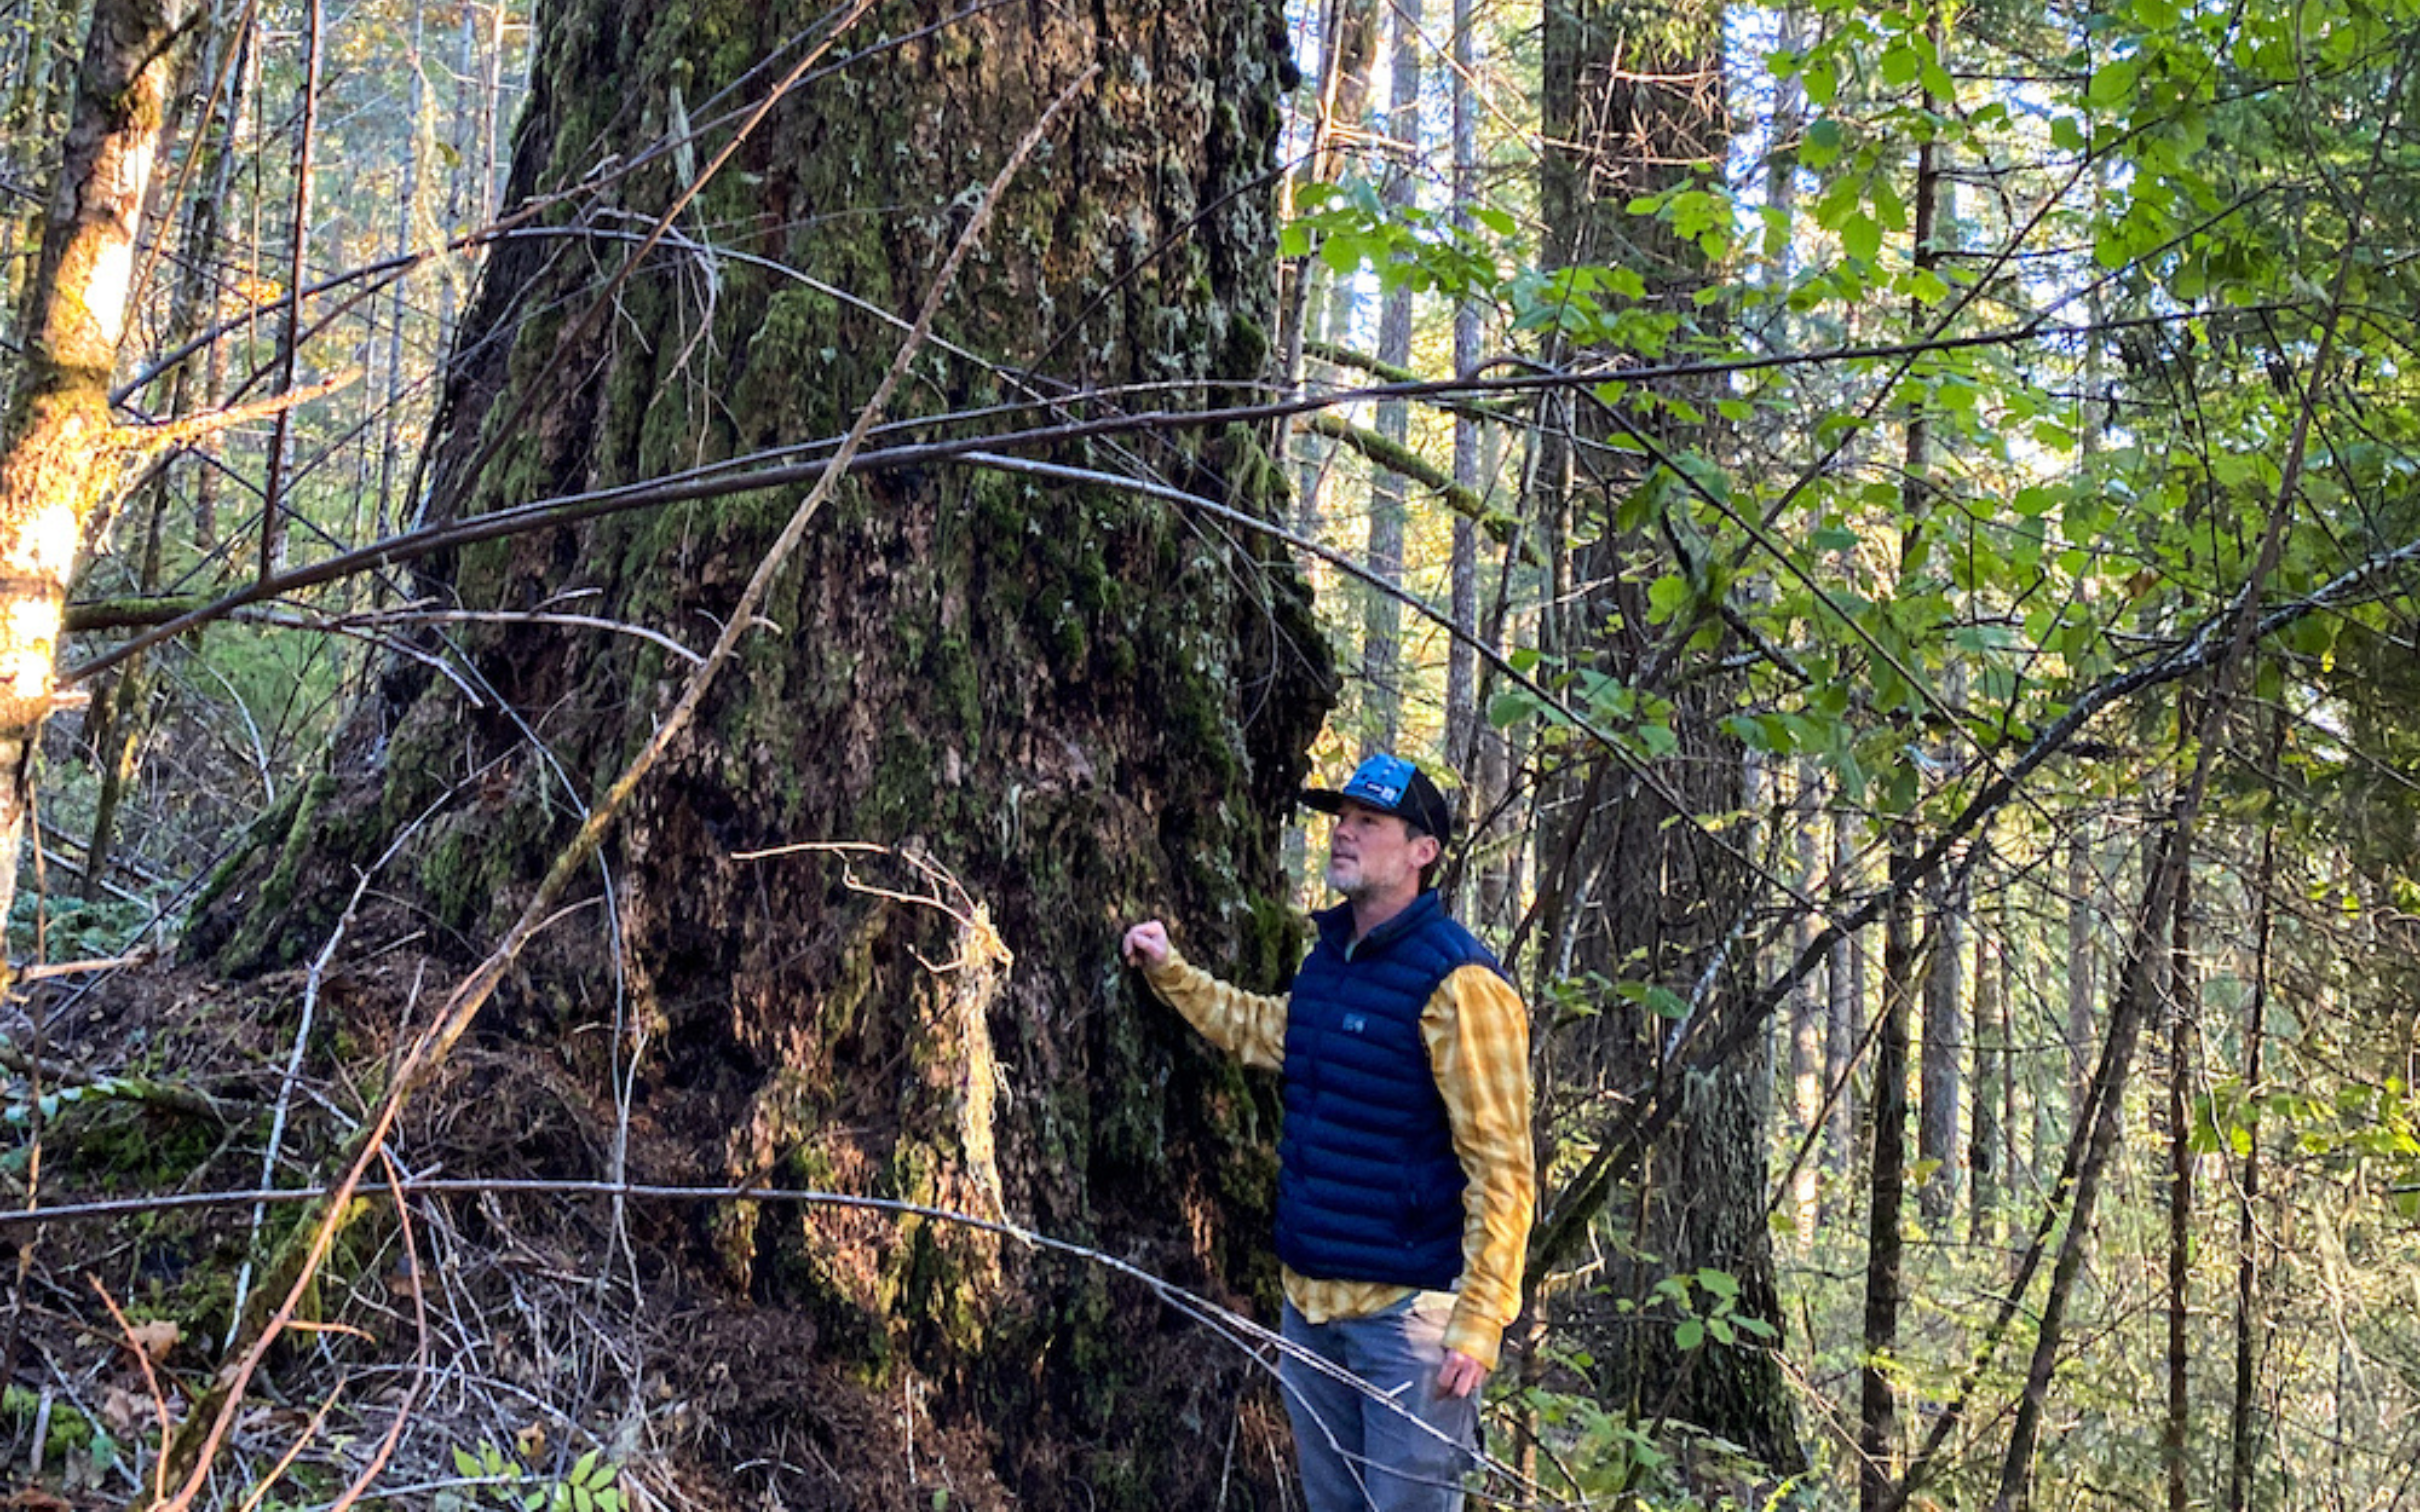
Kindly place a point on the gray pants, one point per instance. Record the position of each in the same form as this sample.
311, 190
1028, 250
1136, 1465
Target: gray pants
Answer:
1360, 1454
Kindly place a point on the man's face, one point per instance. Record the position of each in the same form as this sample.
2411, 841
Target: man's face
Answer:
1375, 855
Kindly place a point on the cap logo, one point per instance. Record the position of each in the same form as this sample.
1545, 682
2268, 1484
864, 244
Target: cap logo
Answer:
1381, 779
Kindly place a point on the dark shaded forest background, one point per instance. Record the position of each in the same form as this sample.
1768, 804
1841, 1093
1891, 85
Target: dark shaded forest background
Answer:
605, 611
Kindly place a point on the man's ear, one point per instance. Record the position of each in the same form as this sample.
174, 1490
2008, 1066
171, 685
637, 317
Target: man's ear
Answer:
1435, 849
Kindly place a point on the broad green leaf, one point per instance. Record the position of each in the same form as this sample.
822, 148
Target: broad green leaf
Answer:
2113, 83
1861, 237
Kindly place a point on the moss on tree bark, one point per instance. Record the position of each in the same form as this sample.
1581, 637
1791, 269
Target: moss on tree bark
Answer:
1077, 703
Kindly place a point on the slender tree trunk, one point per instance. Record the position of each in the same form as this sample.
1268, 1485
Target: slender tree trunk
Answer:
398, 310
122, 714
491, 107
1321, 306
45, 94
58, 456
2104, 1106
2182, 989
2081, 882
1781, 157
1845, 987
1808, 1012
298, 265
1464, 722
1944, 1068
1885, 1259
2244, 1437
1993, 1068
1877, 1403
1640, 891
2004, 955
1382, 626
1937, 1130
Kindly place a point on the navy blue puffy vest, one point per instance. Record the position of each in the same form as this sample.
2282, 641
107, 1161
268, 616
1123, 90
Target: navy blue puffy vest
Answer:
1369, 1187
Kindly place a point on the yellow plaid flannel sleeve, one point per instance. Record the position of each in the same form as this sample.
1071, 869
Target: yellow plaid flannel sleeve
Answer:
1248, 1026
1478, 1037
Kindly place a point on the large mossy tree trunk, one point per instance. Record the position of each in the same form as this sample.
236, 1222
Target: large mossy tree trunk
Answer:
1079, 703
1637, 886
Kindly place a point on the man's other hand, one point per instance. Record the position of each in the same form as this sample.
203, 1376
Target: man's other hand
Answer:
1460, 1375
1146, 945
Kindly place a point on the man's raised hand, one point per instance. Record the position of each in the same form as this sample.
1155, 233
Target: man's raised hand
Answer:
1146, 945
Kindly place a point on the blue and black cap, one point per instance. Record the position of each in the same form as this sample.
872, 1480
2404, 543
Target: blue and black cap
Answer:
1390, 785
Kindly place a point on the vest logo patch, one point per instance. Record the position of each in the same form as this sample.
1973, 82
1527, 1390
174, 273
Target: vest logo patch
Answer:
1355, 1024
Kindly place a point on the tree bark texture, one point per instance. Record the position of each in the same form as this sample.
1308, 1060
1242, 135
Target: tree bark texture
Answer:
58, 452
1075, 704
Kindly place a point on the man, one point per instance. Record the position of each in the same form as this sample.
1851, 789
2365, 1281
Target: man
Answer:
1404, 1183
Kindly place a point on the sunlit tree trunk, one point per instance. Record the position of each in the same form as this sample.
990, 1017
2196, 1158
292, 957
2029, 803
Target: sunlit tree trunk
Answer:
1808, 1009
59, 457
